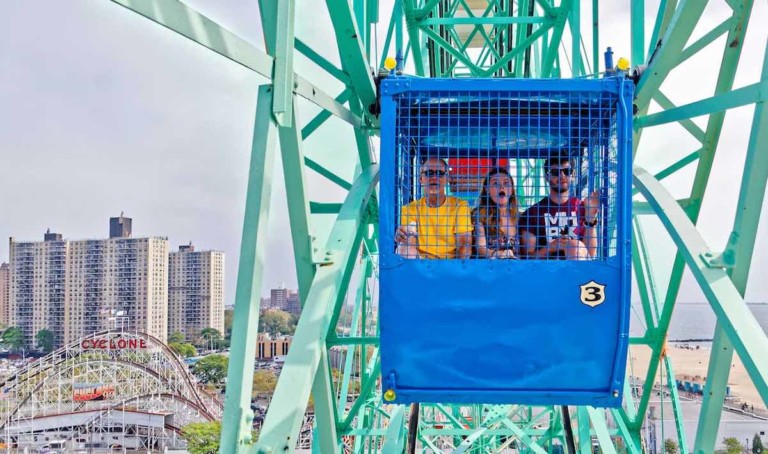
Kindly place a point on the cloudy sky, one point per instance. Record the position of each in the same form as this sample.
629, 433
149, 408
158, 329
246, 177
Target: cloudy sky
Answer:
102, 111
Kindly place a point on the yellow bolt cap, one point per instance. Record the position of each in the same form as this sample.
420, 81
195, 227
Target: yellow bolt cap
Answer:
390, 63
622, 64
389, 395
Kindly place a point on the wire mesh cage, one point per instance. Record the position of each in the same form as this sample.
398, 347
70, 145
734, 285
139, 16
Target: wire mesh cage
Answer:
496, 195
506, 175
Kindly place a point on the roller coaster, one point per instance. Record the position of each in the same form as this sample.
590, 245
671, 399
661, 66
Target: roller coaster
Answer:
129, 381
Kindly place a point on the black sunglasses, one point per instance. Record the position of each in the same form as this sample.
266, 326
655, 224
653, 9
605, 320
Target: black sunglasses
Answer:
568, 171
434, 173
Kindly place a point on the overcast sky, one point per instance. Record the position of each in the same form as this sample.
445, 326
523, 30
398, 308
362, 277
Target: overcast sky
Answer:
103, 111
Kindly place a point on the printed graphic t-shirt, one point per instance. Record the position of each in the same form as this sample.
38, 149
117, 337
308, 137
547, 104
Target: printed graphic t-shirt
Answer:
438, 226
548, 220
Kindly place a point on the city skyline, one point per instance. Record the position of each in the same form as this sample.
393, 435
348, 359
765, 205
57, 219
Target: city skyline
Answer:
77, 287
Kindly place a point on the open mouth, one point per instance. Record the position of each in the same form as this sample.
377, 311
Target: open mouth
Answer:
502, 194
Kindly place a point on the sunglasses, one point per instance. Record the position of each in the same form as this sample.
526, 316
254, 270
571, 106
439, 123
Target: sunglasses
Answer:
567, 171
433, 173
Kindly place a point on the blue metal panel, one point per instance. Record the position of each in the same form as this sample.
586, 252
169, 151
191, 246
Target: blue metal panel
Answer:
490, 331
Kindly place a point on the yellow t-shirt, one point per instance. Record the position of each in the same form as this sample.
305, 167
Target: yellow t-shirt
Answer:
438, 226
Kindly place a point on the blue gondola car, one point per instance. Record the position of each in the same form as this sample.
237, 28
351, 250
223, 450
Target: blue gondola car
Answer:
530, 331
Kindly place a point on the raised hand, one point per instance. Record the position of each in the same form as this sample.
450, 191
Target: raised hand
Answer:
592, 206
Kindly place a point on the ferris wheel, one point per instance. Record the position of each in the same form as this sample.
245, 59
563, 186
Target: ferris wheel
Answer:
452, 349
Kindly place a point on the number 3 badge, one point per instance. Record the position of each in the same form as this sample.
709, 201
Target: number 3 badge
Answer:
592, 293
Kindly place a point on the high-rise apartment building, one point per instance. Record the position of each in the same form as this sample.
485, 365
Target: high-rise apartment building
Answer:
293, 304
279, 298
75, 288
4, 293
285, 300
196, 292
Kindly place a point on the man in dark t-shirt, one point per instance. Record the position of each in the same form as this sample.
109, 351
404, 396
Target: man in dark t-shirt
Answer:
560, 226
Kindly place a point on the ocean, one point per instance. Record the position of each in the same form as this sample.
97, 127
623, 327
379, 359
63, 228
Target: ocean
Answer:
693, 321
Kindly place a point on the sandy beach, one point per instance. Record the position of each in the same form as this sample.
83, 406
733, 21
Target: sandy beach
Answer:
691, 364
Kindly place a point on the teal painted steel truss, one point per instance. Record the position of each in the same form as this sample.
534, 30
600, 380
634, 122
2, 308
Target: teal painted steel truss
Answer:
335, 243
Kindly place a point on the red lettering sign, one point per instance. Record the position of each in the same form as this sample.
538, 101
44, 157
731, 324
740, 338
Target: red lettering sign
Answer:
113, 344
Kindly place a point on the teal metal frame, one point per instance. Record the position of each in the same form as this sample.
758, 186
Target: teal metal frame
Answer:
453, 38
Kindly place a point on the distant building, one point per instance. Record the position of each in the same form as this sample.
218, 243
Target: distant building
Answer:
76, 288
293, 305
285, 300
120, 227
279, 298
195, 292
268, 347
5, 276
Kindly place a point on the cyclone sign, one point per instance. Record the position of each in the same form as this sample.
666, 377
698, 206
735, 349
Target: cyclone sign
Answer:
113, 344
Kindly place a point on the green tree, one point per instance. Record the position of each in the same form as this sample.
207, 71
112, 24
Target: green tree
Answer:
204, 437
211, 369
276, 322
44, 339
264, 382
185, 350
176, 337
757, 445
210, 337
732, 446
13, 338
670, 446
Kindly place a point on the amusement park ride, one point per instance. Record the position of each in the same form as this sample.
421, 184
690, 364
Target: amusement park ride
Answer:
477, 355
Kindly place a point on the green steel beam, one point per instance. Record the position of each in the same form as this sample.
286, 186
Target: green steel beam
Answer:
549, 9
631, 439
666, 104
306, 50
671, 169
574, 20
282, 98
719, 368
349, 357
394, 442
732, 312
520, 48
601, 430
681, 26
325, 407
187, 22
663, 18
323, 116
705, 40
643, 275
585, 436
677, 410
351, 51
557, 34
748, 211
285, 414
524, 437
706, 158
637, 21
236, 430
596, 38
481, 20
718, 103
298, 202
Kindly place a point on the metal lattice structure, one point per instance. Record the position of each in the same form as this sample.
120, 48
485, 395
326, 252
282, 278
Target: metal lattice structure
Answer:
138, 374
482, 38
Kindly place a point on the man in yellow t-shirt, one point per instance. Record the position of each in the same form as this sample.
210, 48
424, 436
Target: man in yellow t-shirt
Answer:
437, 225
